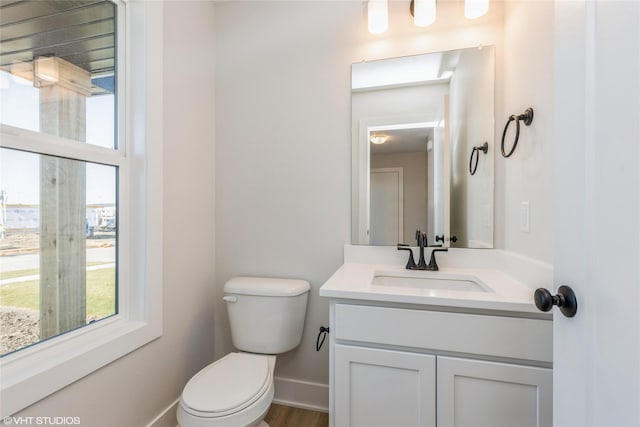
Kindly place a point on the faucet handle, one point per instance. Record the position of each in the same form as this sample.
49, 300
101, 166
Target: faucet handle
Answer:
433, 265
411, 263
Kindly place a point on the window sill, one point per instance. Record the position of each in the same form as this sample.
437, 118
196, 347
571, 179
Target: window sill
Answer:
36, 372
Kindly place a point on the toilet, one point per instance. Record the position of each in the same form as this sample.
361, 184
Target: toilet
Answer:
266, 317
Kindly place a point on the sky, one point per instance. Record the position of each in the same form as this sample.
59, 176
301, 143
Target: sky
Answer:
20, 171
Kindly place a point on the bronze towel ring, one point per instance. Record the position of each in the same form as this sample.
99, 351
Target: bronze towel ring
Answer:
476, 150
527, 118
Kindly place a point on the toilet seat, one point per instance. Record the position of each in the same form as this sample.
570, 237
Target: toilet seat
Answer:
227, 386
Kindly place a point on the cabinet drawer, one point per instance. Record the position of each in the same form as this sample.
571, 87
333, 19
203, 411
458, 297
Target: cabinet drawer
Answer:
510, 337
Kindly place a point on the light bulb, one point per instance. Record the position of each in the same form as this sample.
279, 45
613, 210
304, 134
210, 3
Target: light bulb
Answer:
475, 8
378, 16
424, 12
379, 139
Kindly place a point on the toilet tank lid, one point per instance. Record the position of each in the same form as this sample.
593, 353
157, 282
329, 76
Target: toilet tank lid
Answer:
266, 286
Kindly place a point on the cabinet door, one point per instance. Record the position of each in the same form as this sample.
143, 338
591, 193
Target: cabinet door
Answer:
383, 388
477, 393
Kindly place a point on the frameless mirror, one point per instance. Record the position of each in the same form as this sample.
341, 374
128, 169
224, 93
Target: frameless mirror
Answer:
419, 158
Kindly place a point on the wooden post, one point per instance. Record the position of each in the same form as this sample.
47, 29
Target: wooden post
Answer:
63, 91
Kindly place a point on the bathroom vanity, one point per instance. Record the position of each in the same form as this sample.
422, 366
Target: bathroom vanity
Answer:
464, 345
461, 346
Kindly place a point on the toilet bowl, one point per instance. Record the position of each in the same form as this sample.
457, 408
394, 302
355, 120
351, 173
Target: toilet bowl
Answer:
266, 317
233, 391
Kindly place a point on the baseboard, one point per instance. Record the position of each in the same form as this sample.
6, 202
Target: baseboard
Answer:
166, 418
301, 394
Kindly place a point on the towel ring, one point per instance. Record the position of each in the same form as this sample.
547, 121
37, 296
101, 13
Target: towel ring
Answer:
476, 150
527, 117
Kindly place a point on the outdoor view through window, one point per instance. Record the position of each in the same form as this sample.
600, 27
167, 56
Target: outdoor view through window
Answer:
59, 168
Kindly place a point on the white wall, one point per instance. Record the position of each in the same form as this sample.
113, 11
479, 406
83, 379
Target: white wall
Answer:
528, 174
136, 388
283, 149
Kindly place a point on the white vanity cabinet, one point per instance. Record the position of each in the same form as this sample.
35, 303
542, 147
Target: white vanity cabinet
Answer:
397, 366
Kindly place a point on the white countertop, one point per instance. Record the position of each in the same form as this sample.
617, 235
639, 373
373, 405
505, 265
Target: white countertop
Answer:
354, 280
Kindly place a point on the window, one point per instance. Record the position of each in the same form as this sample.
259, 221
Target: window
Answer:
80, 195
58, 253
59, 241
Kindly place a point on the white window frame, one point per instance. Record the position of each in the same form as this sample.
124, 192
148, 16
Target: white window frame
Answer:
38, 371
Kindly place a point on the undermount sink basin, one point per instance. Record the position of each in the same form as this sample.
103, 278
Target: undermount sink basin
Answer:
433, 280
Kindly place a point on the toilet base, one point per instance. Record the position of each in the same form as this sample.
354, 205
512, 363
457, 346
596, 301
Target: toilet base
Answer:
263, 423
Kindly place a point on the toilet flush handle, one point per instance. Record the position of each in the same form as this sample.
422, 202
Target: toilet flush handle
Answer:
230, 298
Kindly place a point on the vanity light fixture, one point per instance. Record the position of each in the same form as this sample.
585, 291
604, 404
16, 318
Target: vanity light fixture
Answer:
378, 16
423, 12
378, 139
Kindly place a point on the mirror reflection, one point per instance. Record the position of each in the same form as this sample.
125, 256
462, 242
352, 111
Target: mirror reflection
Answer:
419, 128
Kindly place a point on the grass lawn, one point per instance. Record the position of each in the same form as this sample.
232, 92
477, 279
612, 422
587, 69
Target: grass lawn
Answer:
33, 271
101, 297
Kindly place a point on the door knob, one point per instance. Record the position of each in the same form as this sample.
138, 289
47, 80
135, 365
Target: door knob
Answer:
565, 300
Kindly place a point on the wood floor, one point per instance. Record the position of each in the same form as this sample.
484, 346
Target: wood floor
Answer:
286, 416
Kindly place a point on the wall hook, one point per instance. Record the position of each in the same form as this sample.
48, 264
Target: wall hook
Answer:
473, 166
324, 330
527, 118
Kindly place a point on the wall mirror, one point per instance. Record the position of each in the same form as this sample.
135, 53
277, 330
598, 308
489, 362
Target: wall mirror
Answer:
419, 158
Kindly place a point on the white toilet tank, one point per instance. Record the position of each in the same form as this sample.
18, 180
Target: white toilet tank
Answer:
266, 315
